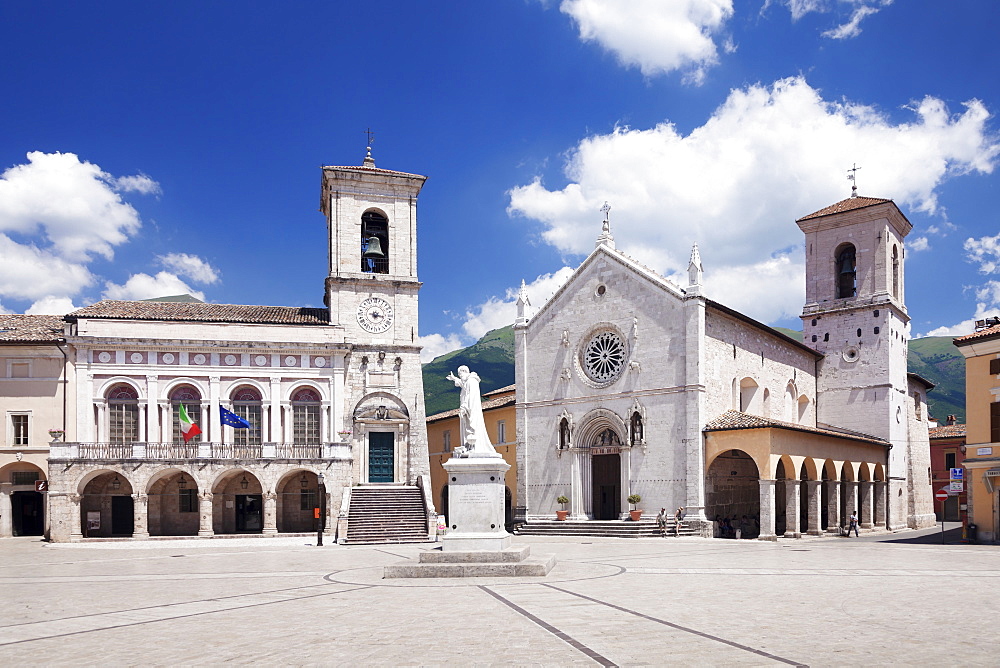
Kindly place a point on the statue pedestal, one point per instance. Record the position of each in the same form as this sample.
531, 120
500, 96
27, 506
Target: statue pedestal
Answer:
476, 505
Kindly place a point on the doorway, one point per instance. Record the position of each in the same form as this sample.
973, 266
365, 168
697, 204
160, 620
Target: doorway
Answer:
607, 485
122, 515
381, 456
249, 513
28, 513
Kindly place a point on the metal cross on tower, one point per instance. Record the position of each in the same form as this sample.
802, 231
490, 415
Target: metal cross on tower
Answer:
371, 137
852, 177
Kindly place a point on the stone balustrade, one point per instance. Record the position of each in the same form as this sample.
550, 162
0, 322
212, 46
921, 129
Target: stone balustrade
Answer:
206, 450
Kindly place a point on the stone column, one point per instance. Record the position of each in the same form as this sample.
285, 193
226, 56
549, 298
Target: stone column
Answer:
576, 485
205, 515
152, 410
6, 509
102, 422
74, 518
270, 513
865, 498
813, 498
792, 508
880, 492
274, 403
766, 510
214, 419
140, 523
850, 491
143, 436
833, 506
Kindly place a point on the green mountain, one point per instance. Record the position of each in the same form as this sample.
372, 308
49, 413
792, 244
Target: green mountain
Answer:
492, 357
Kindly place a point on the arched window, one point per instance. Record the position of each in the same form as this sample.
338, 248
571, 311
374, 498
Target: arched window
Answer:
305, 417
123, 414
374, 243
748, 396
563, 434
191, 399
847, 272
635, 427
895, 271
247, 404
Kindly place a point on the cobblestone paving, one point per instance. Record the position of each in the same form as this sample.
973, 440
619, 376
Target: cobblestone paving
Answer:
688, 601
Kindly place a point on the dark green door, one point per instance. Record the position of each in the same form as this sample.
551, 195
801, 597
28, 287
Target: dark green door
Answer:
381, 450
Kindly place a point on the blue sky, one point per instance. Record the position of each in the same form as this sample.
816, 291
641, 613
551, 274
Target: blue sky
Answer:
151, 149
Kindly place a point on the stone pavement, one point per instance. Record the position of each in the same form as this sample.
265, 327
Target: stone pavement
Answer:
687, 601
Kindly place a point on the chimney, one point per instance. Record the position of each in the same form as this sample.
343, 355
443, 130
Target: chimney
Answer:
951, 420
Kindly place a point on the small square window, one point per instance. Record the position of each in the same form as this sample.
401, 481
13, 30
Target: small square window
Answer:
188, 501
307, 500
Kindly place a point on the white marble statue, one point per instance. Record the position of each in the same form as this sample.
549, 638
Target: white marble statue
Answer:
475, 439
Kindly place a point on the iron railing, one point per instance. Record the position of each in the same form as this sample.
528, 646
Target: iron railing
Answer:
124, 451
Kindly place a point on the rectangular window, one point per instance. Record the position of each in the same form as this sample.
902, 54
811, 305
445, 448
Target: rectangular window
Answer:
995, 367
23, 477
446, 436
949, 460
19, 424
188, 501
305, 424
307, 500
20, 370
123, 423
995, 422
193, 410
501, 431
251, 413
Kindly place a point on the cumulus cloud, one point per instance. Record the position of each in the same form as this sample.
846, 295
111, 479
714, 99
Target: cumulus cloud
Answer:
984, 251
29, 272
655, 36
918, 244
988, 308
191, 267
144, 286
767, 155
435, 345
52, 306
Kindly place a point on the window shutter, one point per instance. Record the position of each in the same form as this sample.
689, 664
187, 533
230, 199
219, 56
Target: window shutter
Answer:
995, 422
995, 366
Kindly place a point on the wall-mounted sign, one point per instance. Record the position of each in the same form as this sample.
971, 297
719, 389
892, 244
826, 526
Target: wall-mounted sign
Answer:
956, 486
956, 474
93, 520
984, 451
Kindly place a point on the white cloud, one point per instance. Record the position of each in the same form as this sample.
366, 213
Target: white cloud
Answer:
984, 309
191, 267
52, 306
859, 10
498, 312
986, 252
144, 286
74, 205
435, 345
657, 37
918, 244
28, 272
767, 156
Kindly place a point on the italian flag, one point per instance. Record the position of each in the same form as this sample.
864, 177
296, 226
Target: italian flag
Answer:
188, 428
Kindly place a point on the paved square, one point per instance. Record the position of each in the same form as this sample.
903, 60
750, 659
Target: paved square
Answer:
814, 601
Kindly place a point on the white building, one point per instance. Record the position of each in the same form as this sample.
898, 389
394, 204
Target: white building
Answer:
628, 383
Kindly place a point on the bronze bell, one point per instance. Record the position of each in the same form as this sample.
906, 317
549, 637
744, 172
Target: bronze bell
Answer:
373, 249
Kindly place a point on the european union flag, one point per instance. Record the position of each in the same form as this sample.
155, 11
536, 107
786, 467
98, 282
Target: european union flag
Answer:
232, 419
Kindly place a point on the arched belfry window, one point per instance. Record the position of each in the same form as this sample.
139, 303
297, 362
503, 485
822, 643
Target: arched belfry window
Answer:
895, 271
847, 272
123, 414
374, 243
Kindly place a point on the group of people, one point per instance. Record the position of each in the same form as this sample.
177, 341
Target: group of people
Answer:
662, 519
737, 527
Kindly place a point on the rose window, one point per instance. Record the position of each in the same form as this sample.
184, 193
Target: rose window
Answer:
604, 357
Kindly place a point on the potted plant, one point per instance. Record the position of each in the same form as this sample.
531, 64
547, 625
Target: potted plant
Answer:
56, 434
634, 514
344, 434
562, 514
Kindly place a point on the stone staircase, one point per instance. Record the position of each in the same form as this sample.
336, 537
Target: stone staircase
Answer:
386, 515
644, 528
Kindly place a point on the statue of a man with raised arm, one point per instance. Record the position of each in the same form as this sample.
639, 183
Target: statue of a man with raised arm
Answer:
475, 439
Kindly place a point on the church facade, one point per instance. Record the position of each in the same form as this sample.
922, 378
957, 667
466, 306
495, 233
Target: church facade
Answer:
630, 384
333, 396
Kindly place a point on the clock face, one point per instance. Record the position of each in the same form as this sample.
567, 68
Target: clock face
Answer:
375, 315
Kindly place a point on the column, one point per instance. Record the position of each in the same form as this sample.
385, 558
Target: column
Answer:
166, 423
850, 491
205, 522
270, 513
766, 510
140, 524
337, 392
274, 403
792, 508
142, 423
214, 418
75, 519
152, 410
85, 397
833, 518
880, 493
813, 498
102, 422
575, 486
865, 498
6, 521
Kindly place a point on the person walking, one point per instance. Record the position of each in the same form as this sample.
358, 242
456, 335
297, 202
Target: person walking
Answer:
853, 525
678, 517
661, 522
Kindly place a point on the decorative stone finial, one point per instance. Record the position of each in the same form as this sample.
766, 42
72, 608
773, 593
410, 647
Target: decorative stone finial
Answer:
694, 266
523, 304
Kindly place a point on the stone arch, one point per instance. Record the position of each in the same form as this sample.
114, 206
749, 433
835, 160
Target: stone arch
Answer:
848, 472
297, 498
864, 472
789, 406
808, 470
7, 470
169, 387
298, 385
878, 475
237, 502
27, 507
110, 383
732, 490
830, 470
106, 505
232, 386
172, 503
596, 421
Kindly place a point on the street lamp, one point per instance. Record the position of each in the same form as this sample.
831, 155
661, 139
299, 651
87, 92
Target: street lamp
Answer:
321, 511
244, 483
116, 483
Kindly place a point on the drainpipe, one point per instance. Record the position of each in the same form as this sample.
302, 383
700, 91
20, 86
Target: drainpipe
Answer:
65, 382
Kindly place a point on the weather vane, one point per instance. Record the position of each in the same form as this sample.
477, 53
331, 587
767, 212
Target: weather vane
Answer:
852, 177
371, 136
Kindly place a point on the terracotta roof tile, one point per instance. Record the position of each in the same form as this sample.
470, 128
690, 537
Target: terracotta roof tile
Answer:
849, 204
947, 431
18, 328
375, 170
732, 420
199, 312
488, 404
981, 334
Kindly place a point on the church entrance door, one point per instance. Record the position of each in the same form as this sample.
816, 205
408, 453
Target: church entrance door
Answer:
381, 459
606, 475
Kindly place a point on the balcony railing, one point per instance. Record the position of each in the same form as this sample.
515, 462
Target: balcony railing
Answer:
126, 451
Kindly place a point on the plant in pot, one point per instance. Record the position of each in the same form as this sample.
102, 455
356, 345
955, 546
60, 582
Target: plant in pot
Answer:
562, 514
634, 514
